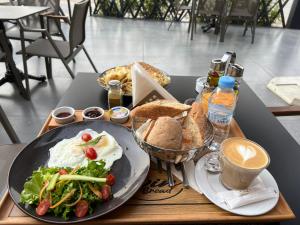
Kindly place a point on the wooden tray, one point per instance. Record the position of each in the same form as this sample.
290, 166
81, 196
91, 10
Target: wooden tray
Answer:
157, 203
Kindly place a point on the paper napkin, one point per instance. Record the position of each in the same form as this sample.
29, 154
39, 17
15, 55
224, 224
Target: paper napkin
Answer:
143, 85
189, 168
255, 193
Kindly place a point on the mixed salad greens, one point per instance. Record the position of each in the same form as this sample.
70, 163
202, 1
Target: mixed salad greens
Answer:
66, 191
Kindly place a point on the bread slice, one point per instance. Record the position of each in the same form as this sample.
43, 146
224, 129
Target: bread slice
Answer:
193, 128
159, 108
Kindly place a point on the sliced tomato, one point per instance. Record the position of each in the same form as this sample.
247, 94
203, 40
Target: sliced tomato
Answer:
86, 137
43, 207
82, 208
105, 191
63, 172
110, 179
91, 153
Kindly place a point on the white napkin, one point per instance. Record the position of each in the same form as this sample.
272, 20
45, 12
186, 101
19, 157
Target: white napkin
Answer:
143, 84
189, 167
255, 193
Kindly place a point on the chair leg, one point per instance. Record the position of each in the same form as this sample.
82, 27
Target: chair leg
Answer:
48, 63
8, 128
190, 21
246, 28
90, 7
223, 30
173, 19
253, 31
68, 68
89, 58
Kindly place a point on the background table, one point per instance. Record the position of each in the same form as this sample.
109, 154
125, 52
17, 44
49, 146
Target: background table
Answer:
9, 12
255, 120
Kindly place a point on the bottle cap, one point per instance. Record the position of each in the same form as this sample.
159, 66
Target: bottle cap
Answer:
235, 70
114, 83
226, 82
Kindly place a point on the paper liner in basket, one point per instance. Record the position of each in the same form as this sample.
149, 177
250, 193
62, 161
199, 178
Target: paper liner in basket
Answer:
143, 84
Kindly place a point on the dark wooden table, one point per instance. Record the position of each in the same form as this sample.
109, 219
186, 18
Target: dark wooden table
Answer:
255, 120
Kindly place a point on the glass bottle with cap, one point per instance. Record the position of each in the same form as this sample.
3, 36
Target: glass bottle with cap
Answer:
236, 71
217, 69
114, 93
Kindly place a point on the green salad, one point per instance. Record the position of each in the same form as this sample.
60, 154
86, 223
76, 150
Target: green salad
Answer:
64, 192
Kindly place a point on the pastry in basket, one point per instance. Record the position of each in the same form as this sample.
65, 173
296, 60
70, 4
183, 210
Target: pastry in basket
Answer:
123, 74
159, 108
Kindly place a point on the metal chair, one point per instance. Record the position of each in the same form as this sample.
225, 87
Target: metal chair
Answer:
64, 50
182, 8
209, 9
8, 128
245, 10
212, 9
34, 21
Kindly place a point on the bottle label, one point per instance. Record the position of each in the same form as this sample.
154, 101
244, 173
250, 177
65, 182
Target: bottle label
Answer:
220, 115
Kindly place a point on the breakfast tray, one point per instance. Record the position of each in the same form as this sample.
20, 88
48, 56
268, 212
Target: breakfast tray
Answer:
157, 203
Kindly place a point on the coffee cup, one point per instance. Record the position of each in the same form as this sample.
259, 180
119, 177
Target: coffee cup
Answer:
241, 161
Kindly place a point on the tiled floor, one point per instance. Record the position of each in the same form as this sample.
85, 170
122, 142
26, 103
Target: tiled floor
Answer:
110, 42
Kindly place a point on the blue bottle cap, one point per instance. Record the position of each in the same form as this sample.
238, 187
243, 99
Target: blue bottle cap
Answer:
226, 82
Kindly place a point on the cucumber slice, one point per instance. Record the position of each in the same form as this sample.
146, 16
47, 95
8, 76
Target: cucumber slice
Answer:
52, 182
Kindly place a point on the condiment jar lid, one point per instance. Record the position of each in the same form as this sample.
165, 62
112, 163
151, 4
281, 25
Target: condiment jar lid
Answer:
114, 83
235, 70
217, 65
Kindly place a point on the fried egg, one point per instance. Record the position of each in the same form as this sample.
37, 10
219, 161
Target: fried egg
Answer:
69, 153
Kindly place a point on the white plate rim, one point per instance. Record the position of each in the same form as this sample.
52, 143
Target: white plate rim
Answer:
203, 185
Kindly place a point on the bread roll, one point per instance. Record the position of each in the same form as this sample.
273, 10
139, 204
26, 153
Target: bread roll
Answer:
166, 133
159, 108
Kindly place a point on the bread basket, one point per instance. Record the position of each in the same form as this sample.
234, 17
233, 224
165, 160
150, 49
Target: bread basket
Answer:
170, 155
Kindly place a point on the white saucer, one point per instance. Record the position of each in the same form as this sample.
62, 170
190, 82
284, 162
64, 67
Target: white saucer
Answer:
210, 184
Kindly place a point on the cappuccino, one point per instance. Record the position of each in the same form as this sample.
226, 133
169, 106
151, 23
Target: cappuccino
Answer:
241, 161
245, 153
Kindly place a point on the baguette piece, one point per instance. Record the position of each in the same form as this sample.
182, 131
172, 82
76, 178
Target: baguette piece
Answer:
193, 128
159, 108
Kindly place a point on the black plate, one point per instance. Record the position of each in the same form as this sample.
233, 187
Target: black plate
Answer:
130, 171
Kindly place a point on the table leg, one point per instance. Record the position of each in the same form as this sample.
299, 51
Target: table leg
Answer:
24, 57
13, 74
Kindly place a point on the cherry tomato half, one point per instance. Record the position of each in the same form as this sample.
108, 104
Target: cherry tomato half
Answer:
105, 191
43, 207
86, 137
110, 179
91, 153
82, 208
62, 172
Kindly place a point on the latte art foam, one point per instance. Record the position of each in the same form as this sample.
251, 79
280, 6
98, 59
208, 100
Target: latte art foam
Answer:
245, 153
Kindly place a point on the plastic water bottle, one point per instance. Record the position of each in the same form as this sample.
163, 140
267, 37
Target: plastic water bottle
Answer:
221, 105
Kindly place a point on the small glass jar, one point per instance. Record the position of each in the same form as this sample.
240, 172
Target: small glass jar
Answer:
217, 69
236, 71
114, 94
